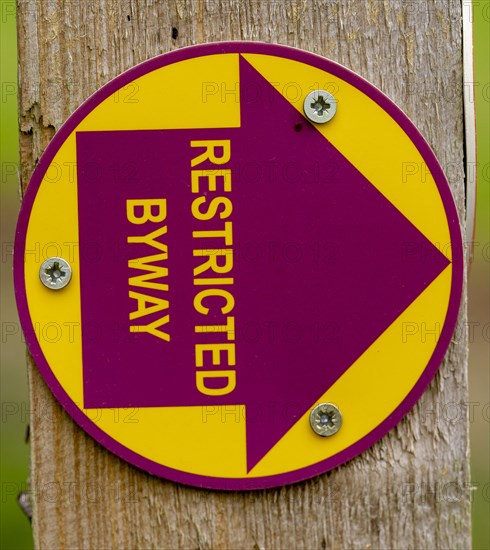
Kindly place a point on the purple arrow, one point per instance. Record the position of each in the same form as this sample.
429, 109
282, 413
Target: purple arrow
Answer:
323, 264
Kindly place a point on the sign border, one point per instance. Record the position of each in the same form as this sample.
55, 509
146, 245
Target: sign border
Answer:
353, 450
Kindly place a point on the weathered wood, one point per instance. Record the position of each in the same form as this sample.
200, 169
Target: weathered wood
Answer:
411, 490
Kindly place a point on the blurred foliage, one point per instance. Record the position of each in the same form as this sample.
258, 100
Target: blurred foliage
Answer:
15, 530
479, 286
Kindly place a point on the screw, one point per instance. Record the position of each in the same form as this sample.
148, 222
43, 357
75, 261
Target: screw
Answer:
325, 419
320, 106
55, 273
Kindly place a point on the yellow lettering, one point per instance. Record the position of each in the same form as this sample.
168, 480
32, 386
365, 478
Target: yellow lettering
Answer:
142, 309
147, 206
152, 328
198, 299
229, 328
212, 209
209, 154
219, 261
230, 376
226, 233
212, 262
214, 281
211, 175
150, 239
156, 272
215, 350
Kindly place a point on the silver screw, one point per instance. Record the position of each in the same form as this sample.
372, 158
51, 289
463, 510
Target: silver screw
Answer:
325, 419
55, 273
320, 106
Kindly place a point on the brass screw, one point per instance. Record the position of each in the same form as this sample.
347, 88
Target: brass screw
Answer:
325, 419
320, 106
55, 273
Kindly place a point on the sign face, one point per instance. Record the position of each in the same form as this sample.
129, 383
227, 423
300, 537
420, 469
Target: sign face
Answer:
234, 265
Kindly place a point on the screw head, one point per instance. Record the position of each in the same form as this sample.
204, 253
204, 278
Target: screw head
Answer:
325, 419
55, 273
320, 106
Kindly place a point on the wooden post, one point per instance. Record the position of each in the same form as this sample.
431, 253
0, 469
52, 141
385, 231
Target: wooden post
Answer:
411, 490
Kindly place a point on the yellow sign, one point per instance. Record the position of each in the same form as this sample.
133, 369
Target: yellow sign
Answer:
252, 231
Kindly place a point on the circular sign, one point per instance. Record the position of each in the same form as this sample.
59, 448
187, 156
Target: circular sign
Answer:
265, 260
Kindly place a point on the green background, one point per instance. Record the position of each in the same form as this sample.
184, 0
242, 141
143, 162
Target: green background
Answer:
15, 530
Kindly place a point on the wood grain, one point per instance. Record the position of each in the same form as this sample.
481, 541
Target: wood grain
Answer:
411, 490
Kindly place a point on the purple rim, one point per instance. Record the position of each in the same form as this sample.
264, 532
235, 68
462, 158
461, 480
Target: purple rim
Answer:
367, 441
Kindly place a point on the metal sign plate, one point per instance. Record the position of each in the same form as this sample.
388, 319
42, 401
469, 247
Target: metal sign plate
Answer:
255, 297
